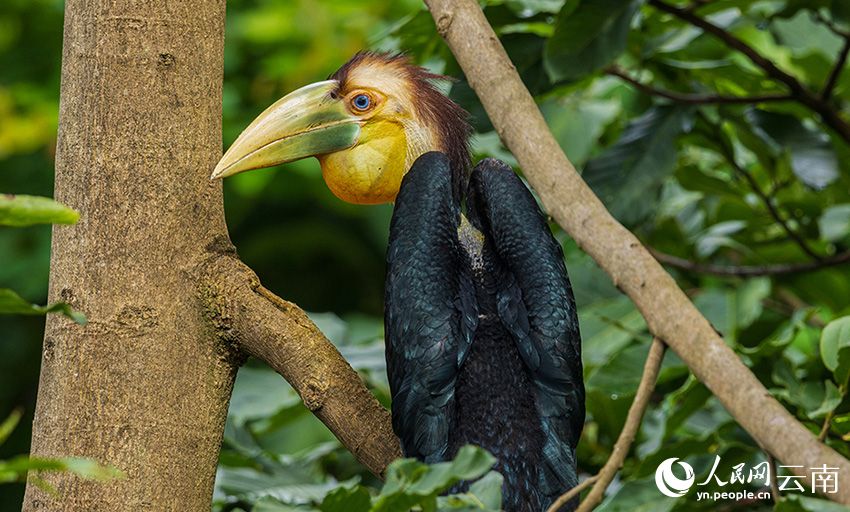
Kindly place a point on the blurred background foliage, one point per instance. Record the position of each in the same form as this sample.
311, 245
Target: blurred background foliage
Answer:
723, 190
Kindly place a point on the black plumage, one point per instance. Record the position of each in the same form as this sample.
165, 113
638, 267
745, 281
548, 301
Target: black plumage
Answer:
483, 343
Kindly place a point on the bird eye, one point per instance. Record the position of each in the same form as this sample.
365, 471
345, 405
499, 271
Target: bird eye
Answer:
361, 102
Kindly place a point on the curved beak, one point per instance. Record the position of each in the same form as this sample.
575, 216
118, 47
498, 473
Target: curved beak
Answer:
305, 122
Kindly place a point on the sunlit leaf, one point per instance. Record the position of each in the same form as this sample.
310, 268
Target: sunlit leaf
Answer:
835, 348
834, 224
9, 424
12, 303
23, 210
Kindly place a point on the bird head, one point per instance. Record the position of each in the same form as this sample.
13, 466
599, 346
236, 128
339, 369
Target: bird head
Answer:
366, 125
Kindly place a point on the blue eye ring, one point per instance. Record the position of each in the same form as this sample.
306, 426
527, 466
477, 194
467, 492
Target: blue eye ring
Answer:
361, 102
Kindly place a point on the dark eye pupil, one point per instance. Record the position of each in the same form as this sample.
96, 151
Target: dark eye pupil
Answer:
361, 101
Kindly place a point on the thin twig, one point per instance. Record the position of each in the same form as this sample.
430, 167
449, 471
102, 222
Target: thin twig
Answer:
572, 493
567, 198
827, 422
817, 16
801, 93
627, 436
835, 74
728, 153
695, 99
750, 270
796, 303
774, 485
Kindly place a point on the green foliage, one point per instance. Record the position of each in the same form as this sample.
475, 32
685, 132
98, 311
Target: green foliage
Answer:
23, 210
688, 179
587, 36
12, 303
18, 468
835, 349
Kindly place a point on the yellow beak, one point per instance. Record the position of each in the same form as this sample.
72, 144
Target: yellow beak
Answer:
305, 122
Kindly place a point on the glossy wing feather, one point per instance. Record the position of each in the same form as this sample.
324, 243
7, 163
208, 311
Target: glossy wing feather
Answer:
536, 305
429, 303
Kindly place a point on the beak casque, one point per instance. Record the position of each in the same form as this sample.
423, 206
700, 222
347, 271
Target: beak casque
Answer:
306, 122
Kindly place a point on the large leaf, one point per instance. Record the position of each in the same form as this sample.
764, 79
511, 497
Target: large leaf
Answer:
834, 224
16, 469
813, 159
410, 482
587, 37
628, 176
12, 303
835, 348
22, 210
9, 424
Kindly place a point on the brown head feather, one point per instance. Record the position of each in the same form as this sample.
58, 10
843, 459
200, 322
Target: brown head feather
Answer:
433, 107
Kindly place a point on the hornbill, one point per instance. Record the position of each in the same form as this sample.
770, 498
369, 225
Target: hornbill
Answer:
482, 337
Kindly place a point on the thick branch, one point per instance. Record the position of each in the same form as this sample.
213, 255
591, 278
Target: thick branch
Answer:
695, 99
630, 429
280, 333
814, 102
750, 270
668, 312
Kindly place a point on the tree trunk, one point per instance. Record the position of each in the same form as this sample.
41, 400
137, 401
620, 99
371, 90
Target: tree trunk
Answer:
144, 386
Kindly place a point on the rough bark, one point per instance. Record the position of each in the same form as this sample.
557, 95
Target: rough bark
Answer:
281, 334
669, 313
144, 386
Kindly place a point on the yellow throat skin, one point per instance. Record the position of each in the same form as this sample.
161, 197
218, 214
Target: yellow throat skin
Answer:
366, 125
371, 171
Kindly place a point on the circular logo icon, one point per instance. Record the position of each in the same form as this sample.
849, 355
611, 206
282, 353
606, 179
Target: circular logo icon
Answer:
668, 483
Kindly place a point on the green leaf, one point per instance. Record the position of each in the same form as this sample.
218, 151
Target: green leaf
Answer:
410, 482
587, 37
628, 176
792, 502
834, 224
835, 348
831, 399
489, 490
578, 122
813, 159
22, 210
355, 499
12, 303
259, 393
637, 496
17, 468
9, 424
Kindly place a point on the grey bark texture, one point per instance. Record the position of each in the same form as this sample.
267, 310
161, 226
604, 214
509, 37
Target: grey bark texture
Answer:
145, 385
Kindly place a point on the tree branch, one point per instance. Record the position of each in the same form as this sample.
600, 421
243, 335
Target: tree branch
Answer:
694, 99
630, 429
728, 153
750, 270
572, 493
280, 333
668, 312
828, 115
835, 74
